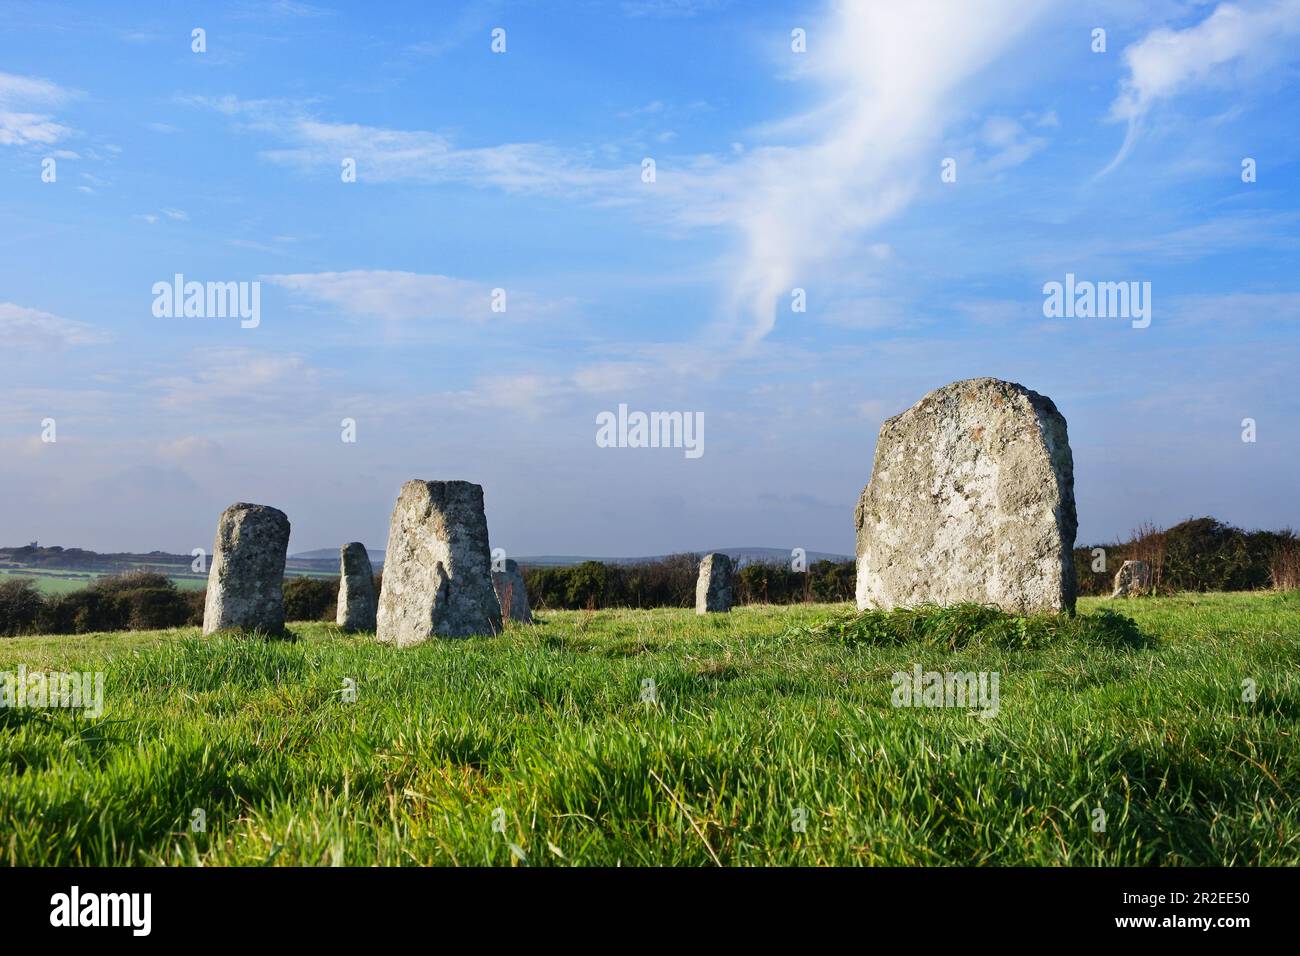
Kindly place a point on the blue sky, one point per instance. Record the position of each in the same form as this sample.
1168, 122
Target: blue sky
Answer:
523, 170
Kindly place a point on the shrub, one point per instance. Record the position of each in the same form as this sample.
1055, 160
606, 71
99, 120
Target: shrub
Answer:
1149, 544
79, 612
20, 606
195, 602
966, 625
587, 586
1207, 555
140, 600
1201, 554
670, 582
1284, 562
311, 599
764, 582
833, 581
136, 600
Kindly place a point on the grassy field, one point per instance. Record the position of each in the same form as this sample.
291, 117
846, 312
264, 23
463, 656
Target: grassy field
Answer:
537, 746
64, 582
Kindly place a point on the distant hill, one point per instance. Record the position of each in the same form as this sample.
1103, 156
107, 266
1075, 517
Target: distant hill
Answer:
37, 560
332, 554
739, 555
321, 561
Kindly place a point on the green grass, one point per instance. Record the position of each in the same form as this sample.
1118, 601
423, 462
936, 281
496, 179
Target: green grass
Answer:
759, 712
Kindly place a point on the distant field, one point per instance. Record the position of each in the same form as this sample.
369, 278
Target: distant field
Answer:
759, 719
61, 582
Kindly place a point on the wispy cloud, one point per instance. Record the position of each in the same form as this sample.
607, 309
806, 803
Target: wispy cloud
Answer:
21, 327
397, 297
1234, 40
20, 98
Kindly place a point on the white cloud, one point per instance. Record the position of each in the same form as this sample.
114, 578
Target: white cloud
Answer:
1168, 62
21, 327
1009, 142
26, 129
236, 382
891, 77
395, 296
31, 89
19, 124
188, 449
387, 155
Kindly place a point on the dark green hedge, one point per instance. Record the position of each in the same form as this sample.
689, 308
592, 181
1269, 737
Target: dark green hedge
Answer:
1202, 554
670, 582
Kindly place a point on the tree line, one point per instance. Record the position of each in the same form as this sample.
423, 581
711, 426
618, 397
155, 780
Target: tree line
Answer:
1202, 554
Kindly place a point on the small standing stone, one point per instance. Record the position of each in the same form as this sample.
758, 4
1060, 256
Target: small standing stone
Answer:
357, 603
512, 593
246, 580
713, 588
438, 570
1133, 578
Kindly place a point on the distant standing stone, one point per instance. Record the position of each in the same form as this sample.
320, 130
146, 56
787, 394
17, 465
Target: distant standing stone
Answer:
713, 588
1134, 577
357, 602
437, 570
512, 594
971, 498
246, 580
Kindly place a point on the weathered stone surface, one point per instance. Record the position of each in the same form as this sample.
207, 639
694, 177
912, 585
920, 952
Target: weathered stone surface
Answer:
1133, 577
246, 580
357, 602
512, 593
971, 498
437, 570
713, 588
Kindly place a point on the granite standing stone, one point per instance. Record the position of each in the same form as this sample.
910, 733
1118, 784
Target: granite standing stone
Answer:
1133, 578
971, 498
512, 593
357, 602
246, 580
437, 571
713, 588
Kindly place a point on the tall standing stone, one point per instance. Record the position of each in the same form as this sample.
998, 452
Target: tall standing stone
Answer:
971, 498
512, 593
437, 570
713, 588
357, 602
246, 580
1133, 577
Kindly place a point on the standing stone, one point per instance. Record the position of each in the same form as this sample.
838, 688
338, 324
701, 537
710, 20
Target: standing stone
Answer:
512, 594
246, 580
713, 589
357, 604
971, 498
437, 571
1134, 577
